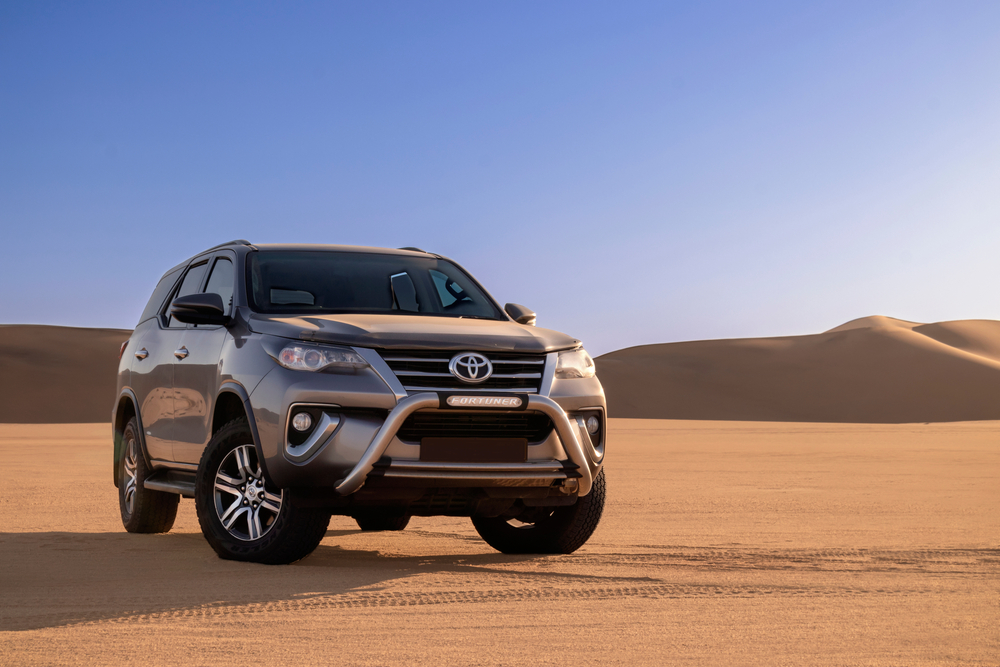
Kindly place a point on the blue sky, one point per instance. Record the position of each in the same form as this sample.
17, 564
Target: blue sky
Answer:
635, 172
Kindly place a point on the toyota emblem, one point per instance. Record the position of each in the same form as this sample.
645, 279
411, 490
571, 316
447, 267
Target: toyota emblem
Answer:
471, 367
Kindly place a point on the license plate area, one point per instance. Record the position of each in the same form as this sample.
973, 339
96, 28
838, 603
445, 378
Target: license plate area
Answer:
474, 450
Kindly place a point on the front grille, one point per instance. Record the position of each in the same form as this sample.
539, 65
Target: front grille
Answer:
422, 370
534, 426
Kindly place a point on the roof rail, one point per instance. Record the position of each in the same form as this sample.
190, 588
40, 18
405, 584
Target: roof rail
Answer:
409, 247
233, 242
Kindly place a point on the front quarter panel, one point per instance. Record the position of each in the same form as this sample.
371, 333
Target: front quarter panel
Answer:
578, 393
244, 359
360, 389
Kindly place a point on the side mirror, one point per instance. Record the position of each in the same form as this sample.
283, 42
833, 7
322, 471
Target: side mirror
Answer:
199, 309
520, 314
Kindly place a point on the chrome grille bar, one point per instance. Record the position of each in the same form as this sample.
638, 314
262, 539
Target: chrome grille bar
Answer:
527, 376
427, 370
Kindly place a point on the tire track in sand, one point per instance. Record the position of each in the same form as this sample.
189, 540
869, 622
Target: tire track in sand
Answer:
383, 599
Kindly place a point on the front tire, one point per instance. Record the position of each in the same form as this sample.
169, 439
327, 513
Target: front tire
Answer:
142, 510
242, 515
544, 530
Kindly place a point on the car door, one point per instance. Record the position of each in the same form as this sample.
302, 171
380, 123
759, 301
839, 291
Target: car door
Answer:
153, 375
196, 376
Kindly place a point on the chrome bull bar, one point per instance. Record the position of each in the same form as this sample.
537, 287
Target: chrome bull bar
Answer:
568, 433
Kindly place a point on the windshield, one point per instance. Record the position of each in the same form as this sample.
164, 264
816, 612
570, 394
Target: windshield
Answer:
315, 282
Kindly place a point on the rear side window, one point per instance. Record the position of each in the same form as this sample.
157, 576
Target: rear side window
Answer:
190, 284
159, 295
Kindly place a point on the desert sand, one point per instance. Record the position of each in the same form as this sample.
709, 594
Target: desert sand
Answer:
724, 543
871, 370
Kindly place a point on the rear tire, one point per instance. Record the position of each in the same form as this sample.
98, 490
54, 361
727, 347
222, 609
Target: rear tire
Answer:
142, 510
379, 521
543, 530
242, 515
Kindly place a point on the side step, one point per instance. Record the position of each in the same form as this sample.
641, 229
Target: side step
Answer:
172, 481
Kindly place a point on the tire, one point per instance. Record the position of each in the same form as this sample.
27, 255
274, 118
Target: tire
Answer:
546, 530
377, 521
142, 510
242, 515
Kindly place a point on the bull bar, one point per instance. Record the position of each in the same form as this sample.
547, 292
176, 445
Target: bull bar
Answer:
569, 434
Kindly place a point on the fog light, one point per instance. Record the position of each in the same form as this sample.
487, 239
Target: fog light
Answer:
302, 421
593, 424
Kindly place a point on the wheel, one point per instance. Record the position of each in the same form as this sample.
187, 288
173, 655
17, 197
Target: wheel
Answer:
546, 530
242, 515
381, 521
143, 510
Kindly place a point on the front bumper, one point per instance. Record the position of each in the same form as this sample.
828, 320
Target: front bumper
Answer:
359, 415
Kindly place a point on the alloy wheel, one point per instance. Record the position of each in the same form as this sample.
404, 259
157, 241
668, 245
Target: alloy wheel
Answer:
245, 503
131, 474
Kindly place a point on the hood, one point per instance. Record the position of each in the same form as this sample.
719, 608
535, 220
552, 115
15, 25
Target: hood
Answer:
414, 332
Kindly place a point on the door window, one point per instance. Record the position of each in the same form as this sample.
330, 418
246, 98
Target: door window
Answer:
190, 284
159, 296
221, 282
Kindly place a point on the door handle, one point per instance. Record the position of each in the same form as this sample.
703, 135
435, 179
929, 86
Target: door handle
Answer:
141, 354
181, 353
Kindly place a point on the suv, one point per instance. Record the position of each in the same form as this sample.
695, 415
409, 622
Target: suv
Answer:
280, 384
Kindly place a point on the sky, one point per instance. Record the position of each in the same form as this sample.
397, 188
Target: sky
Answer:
635, 172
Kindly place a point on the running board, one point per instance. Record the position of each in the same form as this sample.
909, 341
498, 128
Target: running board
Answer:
171, 481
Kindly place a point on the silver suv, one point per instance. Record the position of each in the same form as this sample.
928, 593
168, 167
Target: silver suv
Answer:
280, 384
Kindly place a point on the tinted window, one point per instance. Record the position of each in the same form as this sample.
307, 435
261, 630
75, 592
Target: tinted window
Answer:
353, 282
190, 285
221, 282
159, 295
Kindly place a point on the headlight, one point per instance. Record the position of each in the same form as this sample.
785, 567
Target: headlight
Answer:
301, 357
575, 364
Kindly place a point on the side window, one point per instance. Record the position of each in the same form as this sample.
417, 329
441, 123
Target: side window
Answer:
159, 295
190, 285
221, 282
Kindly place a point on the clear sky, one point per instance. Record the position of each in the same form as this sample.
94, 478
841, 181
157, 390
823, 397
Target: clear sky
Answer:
636, 172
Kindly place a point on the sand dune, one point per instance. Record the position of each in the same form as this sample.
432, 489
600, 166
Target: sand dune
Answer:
57, 375
871, 370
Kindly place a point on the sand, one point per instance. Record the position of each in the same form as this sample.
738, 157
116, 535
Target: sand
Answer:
872, 370
724, 543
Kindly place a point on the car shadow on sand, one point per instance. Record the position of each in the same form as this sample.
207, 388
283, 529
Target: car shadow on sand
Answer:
52, 579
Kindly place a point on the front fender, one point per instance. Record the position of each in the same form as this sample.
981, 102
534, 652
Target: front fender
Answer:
126, 398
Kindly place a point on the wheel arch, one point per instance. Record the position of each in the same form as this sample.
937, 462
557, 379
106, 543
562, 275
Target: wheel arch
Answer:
233, 402
126, 409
